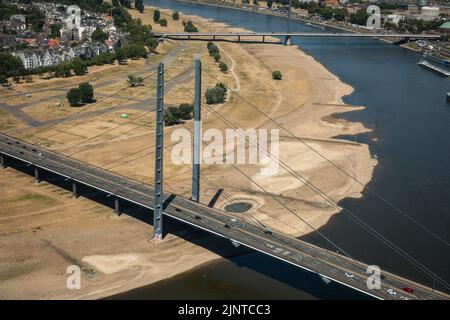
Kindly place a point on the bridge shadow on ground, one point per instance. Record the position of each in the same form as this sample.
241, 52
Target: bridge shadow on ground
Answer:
240, 257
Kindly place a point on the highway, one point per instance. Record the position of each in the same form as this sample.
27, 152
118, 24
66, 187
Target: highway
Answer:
289, 249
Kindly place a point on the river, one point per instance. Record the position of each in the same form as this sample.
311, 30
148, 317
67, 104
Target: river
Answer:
407, 109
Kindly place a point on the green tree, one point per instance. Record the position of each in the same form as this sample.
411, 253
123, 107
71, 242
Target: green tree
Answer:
216, 95
223, 67
139, 5
176, 15
99, 35
269, 3
3, 80
11, 65
87, 92
276, 75
360, 17
186, 111
79, 66
212, 48
62, 70
54, 30
190, 27
217, 57
156, 15
74, 97
135, 51
172, 116
163, 22
151, 43
121, 56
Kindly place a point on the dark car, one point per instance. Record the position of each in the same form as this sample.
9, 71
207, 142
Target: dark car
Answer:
408, 289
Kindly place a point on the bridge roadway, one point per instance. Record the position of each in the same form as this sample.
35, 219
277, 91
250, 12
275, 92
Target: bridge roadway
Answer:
293, 34
291, 250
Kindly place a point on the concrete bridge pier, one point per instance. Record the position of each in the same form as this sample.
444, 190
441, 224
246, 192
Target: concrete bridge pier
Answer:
74, 190
2, 161
287, 40
116, 206
239, 38
263, 39
36, 175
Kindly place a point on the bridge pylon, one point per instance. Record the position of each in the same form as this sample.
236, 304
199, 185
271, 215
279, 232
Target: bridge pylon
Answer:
159, 145
197, 141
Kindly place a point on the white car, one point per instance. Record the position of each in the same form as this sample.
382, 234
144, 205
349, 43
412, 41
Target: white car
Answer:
349, 275
392, 292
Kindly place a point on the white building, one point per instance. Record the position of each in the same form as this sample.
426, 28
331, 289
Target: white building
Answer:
429, 13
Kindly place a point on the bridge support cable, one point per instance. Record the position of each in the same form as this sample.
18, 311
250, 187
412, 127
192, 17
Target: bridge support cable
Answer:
338, 167
159, 197
328, 199
197, 143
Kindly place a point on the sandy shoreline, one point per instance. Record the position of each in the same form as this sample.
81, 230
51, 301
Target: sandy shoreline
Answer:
118, 248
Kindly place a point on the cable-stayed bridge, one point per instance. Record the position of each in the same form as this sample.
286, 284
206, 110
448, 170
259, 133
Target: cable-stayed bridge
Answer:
291, 250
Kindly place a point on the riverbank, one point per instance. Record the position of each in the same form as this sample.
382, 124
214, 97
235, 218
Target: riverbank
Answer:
117, 250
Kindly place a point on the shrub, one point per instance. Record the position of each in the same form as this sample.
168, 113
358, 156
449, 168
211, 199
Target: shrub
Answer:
156, 15
212, 48
175, 15
223, 67
163, 22
189, 27
276, 75
172, 116
217, 57
74, 96
216, 95
186, 111
87, 92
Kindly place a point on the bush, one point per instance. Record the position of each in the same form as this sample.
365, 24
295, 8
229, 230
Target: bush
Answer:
87, 92
216, 95
163, 22
156, 15
223, 67
176, 15
217, 57
189, 27
186, 111
62, 70
172, 116
276, 75
99, 35
212, 48
79, 66
28, 79
74, 96
134, 81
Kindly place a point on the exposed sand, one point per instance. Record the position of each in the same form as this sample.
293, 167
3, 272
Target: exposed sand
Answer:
118, 248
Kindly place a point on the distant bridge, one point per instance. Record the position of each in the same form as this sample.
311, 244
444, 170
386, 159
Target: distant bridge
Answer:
261, 36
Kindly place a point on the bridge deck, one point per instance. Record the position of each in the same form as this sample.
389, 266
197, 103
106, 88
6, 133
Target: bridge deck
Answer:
223, 224
294, 34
